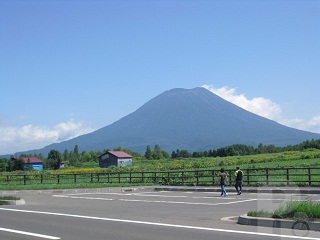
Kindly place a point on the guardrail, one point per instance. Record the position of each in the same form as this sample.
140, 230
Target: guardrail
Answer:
252, 177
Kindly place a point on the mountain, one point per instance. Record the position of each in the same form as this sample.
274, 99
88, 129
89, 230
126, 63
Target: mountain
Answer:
186, 119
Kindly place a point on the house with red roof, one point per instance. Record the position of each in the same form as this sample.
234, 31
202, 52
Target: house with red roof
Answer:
31, 163
115, 158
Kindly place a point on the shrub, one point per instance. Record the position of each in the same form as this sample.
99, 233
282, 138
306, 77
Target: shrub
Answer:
260, 214
311, 209
9, 198
292, 209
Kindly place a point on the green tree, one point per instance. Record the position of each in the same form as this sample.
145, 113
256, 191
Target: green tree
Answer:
178, 153
54, 159
66, 155
72, 159
76, 151
85, 157
148, 153
184, 153
74, 156
165, 154
15, 164
3, 164
157, 152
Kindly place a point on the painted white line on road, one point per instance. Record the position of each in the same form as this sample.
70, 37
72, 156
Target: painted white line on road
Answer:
146, 195
189, 203
61, 196
283, 199
89, 198
79, 194
161, 224
155, 201
29, 233
125, 194
164, 196
92, 198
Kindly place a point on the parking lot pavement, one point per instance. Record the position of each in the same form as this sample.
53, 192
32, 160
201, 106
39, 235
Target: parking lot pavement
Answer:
101, 213
263, 189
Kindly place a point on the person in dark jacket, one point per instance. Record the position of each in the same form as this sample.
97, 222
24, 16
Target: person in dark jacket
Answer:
239, 179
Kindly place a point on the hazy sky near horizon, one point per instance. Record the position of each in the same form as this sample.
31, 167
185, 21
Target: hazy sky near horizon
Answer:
71, 67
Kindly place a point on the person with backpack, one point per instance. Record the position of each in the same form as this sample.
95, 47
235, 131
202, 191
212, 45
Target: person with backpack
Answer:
239, 179
223, 182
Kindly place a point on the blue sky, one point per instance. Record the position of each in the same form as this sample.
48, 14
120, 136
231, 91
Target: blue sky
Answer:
71, 67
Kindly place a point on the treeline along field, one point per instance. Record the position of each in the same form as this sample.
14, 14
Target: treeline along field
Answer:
179, 159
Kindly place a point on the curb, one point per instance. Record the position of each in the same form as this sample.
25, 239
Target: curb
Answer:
79, 190
251, 190
13, 202
275, 223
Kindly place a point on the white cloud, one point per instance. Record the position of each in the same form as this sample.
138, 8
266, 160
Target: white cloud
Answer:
265, 108
70, 130
14, 139
311, 125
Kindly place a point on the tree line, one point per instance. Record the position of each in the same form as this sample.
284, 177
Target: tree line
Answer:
76, 159
242, 150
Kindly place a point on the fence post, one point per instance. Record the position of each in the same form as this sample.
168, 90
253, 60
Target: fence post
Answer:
58, 178
197, 176
267, 176
25, 179
212, 173
130, 175
41, 178
248, 177
288, 177
119, 176
230, 177
182, 176
155, 177
75, 178
309, 175
142, 177
91, 177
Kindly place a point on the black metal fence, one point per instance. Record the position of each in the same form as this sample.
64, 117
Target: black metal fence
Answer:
252, 177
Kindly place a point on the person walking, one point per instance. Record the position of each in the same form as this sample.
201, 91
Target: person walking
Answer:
223, 182
239, 179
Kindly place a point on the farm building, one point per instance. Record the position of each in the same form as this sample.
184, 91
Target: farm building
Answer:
31, 163
115, 158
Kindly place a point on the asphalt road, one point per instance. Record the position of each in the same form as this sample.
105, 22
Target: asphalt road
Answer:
115, 214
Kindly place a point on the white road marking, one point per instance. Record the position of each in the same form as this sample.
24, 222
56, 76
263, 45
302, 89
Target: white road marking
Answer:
29, 233
125, 194
189, 203
145, 195
89, 198
72, 196
77, 194
164, 196
162, 224
167, 196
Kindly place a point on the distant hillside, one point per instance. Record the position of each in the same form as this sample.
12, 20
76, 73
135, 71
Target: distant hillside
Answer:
191, 119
